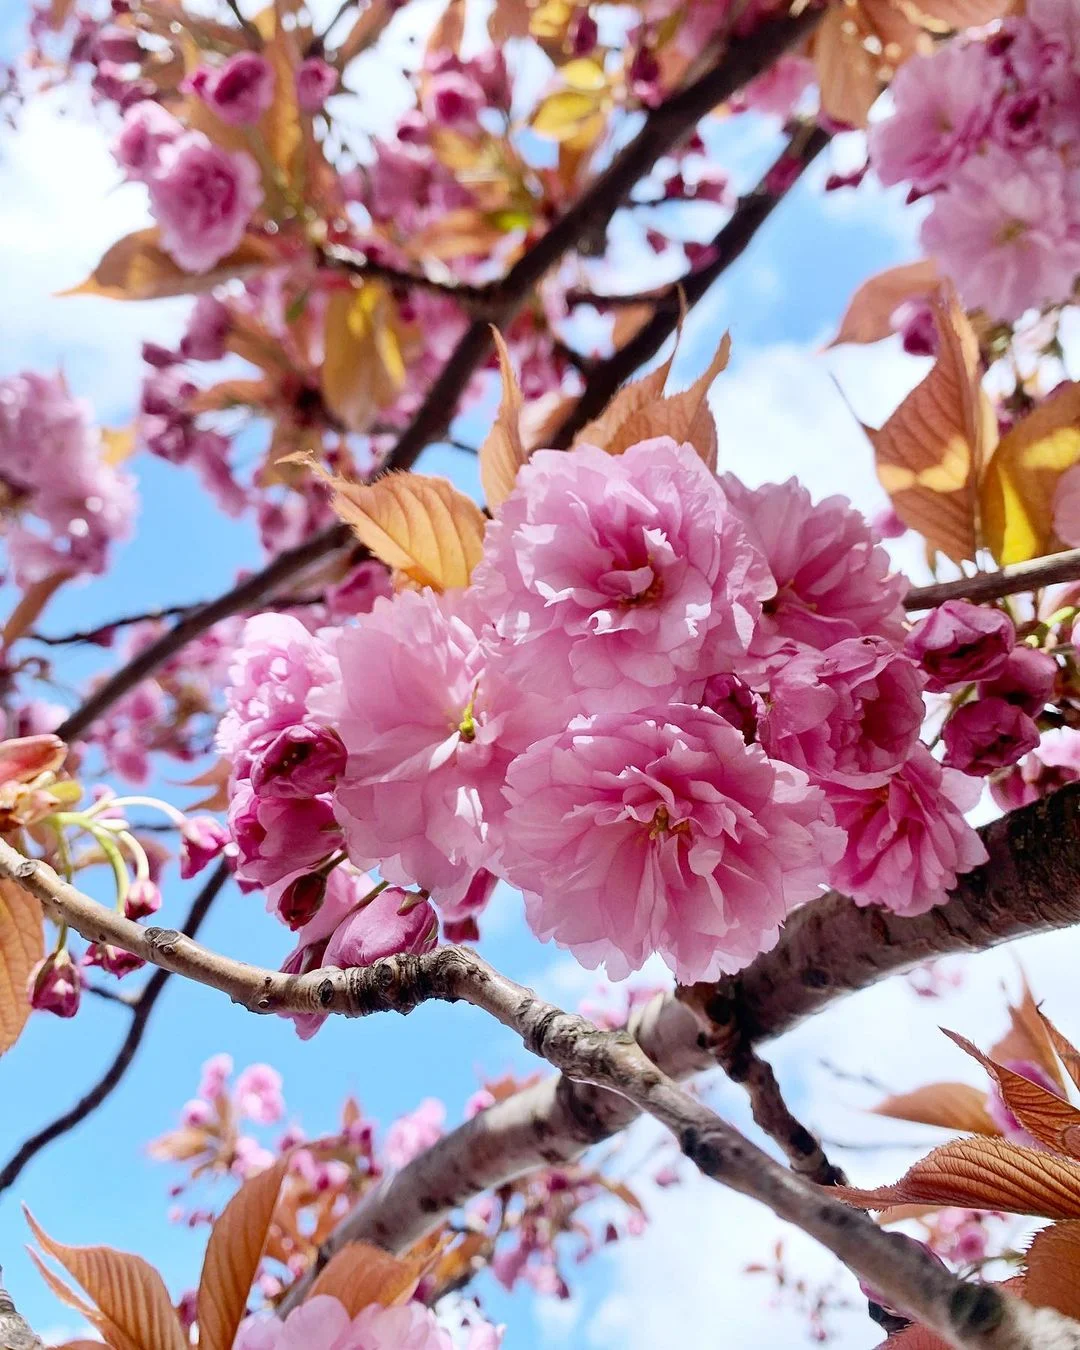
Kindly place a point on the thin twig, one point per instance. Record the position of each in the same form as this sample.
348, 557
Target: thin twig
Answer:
251, 33
481, 300
664, 128
1025, 576
611, 1061
140, 1020
108, 995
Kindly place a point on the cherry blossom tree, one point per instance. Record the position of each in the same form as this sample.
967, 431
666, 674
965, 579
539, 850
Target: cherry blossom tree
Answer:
696, 725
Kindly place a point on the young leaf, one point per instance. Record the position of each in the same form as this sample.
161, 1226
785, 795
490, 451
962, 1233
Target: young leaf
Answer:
951, 1106
916, 1338
423, 526
360, 1274
930, 450
1027, 1038
137, 268
502, 453
867, 317
1045, 1116
631, 398
232, 1257
684, 417
136, 1311
1053, 1269
1066, 1051
31, 605
1019, 482
363, 368
846, 71
22, 946
982, 1173
956, 14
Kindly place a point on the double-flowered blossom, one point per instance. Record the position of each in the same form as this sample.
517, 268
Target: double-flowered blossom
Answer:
322, 1323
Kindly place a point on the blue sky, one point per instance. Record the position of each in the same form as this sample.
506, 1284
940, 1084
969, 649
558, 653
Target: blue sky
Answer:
778, 413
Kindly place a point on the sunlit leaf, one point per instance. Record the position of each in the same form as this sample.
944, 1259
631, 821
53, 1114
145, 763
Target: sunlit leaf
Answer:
603, 431
1052, 1278
422, 526
363, 369
950, 1106
232, 1257
1019, 482
930, 450
136, 1311
137, 268
867, 317
502, 454
360, 1274
563, 114
847, 73
22, 946
982, 1173
1028, 1038
945, 15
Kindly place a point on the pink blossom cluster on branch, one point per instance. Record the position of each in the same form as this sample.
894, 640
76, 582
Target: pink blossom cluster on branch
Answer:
989, 128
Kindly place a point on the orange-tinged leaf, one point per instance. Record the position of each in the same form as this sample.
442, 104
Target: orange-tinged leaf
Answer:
128, 1292
541, 418
423, 526
118, 444
22, 946
448, 30
954, 14
685, 417
1044, 1115
502, 453
360, 1274
137, 268
228, 394
867, 317
950, 1106
232, 1257
1028, 1038
982, 1173
31, 605
1021, 476
629, 321
1065, 1050
603, 431
916, 1338
847, 73
930, 450
62, 1290
80, 1345
363, 369
280, 125
1052, 1279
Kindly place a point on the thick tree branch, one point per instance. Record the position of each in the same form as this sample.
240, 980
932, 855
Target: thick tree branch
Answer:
607, 1061
141, 1008
663, 129
1025, 576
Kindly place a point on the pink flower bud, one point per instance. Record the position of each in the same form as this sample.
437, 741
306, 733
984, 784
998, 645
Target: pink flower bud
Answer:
143, 899
25, 757
395, 921
583, 33
208, 326
203, 838
301, 900
113, 960
959, 642
215, 1075
316, 80
886, 524
55, 985
300, 762
1027, 679
986, 735
240, 91
196, 1114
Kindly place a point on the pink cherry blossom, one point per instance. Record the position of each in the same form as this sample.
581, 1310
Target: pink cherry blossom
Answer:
662, 831
203, 198
276, 836
316, 80
395, 921
629, 572
414, 1133
301, 761
1027, 679
942, 105
832, 577
988, 734
908, 841
216, 1073
202, 840
778, 89
146, 129
207, 328
257, 1094
55, 985
850, 714
239, 91
1003, 230
428, 743
959, 642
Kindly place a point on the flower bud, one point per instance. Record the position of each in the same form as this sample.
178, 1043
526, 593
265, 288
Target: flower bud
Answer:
300, 762
113, 960
302, 899
143, 899
203, 838
959, 643
25, 757
987, 735
395, 921
55, 985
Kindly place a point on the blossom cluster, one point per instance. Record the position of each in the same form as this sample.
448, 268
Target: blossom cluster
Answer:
989, 128
322, 1323
65, 501
667, 709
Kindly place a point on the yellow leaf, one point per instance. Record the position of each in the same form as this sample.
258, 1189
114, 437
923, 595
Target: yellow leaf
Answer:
118, 444
136, 1311
360, 1274
362, 367
950, 1106
1052, 1279
1019, 482
502, 453
22, 946
982, 1173
686, 417
867, 316
946, 15
562, 115
136, 268
233, 1255
422, 526
930, 450
583, 74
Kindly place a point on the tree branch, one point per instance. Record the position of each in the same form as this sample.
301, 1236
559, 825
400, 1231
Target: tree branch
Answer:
479, 300
140, 1009
1025, 576
607, 1061
664, 127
